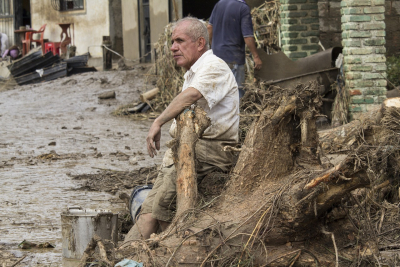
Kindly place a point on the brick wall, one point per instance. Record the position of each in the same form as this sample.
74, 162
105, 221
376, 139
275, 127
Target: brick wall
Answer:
330, 24
363, 40
299, 28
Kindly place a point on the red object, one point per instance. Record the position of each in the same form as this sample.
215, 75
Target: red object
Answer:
26, 44
53, 47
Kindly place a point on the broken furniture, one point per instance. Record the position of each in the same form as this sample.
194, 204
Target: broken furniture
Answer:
53, 47
65, 37
36, 67
22, 36
27, 42
281, 71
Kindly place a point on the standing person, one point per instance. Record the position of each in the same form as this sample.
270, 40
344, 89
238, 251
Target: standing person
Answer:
210, 84
230, 28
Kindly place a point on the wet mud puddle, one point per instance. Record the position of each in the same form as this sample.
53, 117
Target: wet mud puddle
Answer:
49, 131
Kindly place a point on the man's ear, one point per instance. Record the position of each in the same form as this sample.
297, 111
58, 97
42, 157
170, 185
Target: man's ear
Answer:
202, 43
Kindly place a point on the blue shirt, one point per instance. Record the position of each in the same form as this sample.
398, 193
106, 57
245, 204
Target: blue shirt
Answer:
231, 22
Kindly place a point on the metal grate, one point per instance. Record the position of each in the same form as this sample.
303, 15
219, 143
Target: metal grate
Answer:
7, 20
66, 5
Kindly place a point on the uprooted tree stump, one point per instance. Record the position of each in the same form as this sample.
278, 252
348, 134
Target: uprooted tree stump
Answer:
283, 204
190, 125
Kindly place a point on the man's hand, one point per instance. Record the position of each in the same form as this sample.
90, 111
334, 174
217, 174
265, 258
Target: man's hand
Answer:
257, 63
153, 139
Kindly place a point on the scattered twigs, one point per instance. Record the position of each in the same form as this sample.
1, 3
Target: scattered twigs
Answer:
334, 245
326, 176
20, 260
103, 253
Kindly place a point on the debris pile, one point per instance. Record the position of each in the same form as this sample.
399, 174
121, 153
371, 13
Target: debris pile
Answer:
266, 26
36, 67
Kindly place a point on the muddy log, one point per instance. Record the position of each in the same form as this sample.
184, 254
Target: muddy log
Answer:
279, 192
190, 124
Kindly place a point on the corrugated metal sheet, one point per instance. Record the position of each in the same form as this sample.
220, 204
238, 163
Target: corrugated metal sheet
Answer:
7, 19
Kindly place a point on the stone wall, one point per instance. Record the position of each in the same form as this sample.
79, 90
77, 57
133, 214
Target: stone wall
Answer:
363, 34
330, 24
299, 27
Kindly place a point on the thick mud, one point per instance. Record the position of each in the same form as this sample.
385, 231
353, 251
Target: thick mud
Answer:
57, 140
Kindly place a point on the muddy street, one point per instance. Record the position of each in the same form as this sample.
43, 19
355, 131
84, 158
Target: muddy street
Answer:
51, 132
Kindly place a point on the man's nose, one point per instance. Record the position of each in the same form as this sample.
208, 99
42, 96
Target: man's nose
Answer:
174, 47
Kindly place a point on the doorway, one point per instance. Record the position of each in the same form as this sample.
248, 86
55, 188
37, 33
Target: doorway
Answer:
144, 30
199, 9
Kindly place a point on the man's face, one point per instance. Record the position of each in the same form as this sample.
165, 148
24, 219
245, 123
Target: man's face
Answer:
185, 51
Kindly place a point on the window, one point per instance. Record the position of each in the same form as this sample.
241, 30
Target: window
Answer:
68, 5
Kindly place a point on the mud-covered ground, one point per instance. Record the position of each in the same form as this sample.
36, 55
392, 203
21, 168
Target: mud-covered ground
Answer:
60, 146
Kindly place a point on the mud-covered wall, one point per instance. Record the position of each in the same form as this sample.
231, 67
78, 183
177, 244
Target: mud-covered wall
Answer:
130, 29
116, 27
330, 24
159, 18
90, 24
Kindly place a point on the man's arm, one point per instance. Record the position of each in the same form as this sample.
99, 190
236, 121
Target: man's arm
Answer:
184, 99
210, 32
251, 44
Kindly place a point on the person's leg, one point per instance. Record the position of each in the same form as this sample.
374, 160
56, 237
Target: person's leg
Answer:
238, 72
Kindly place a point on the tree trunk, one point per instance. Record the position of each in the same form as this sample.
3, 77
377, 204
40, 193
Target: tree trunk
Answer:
191, 124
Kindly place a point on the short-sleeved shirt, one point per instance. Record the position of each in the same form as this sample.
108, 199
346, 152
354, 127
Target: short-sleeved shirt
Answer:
212, 77
231, 21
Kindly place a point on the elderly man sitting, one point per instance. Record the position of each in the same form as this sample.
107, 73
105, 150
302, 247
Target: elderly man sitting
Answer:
210, 84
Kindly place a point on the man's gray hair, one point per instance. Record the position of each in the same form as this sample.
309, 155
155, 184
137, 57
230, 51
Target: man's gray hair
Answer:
195, 30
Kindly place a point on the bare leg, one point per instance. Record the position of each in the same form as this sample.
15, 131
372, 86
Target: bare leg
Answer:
147, 225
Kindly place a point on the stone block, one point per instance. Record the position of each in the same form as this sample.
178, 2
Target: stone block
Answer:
380, 83
314, 13
380, 50
350, 26
358, 51
355, 3
374, 26
372, 76
309, 20
377, 91
380, 33
378, 2
294, 28
314, 40
360, 18
297, 41
309, 33
309, 7
353, 76
296, 14
374, 42
289, 48
360, 34
375, 59
359, 68
380, 67
355, 92
352, 10
310, 47
355, 108
374, 10
288, 7
360, 83
351, 43
289, 21
290, 34
379, 17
